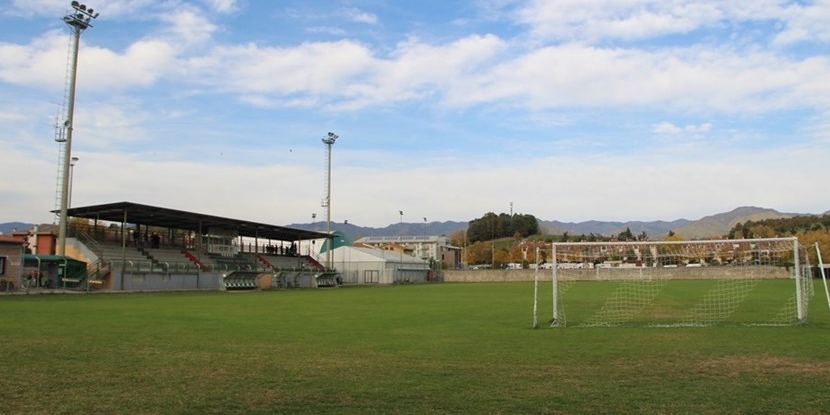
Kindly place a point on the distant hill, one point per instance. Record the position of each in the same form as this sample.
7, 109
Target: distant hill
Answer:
720, 224
651, 229
354, 232
714, 226
10, 227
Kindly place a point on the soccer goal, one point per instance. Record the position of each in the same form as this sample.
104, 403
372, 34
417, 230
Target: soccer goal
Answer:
675, 283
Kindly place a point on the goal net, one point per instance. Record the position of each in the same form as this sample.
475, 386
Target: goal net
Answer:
675, 283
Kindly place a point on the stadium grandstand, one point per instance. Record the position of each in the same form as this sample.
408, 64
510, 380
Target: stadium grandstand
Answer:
128, 246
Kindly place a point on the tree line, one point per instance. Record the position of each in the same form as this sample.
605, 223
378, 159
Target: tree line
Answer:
768, 228
809, 229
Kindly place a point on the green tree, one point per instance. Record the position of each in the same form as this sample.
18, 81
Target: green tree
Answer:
626, 235
492, 226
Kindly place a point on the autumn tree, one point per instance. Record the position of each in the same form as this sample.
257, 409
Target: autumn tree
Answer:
762, 231
780, 227
479, 253
810, 238
502, 258
458, 237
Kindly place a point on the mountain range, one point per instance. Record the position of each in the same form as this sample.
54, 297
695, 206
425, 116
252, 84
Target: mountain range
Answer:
707, 227
10, 227
713, 226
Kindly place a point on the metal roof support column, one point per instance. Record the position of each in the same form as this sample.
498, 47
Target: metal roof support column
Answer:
123, 248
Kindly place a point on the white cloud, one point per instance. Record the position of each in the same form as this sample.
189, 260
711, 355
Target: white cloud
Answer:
700, 128
359, 16
319, 68
667, 128
142, 64
470, 71
479, 70
187, 26
596, 20
223, 6
344, 73
34, 64
671, 129
696, 79
806, 23
436, 72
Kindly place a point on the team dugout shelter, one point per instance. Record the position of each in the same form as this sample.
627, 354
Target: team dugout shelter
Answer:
130, 246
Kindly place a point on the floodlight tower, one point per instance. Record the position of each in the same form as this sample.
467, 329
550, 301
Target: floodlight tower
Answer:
328, 141
79, 20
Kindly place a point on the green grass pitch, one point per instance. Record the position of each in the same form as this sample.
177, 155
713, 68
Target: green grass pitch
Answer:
430, 348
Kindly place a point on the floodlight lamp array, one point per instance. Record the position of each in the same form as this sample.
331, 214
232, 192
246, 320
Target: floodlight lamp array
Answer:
82, 16
331, 138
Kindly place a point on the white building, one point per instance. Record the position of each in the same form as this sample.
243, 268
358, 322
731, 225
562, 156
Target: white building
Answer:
359, 266
426, 247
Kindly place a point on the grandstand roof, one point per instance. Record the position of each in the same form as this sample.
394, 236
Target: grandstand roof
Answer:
135, 213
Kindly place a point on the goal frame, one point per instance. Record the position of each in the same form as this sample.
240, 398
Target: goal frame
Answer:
797, 274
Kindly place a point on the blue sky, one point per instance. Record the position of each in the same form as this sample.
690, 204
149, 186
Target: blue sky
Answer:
570, 110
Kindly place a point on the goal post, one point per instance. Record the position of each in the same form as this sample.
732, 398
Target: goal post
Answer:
676, 283
821, 271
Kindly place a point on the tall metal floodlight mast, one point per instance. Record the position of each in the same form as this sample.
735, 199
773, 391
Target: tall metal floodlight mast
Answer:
78, 21
328, 141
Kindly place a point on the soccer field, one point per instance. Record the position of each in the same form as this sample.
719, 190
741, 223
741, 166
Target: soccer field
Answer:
430, 348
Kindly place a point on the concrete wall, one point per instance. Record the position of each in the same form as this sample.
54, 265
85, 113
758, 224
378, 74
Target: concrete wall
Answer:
490, 275
138, 281
713, 272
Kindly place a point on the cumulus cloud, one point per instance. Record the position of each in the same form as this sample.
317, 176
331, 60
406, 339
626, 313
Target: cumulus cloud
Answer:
806, 23
187, 26
598, 19
33, 65
315, 68
482, 69
469, 71
631, 20
695, 79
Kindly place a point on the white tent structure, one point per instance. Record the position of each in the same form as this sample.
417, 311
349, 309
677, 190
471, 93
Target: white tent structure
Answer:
359, 266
